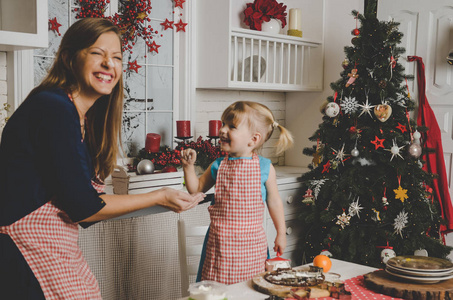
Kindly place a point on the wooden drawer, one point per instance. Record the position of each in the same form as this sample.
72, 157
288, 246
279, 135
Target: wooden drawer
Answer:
293, 231
292, 198
130, 183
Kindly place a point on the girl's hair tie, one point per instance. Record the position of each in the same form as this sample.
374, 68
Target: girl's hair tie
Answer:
275, 124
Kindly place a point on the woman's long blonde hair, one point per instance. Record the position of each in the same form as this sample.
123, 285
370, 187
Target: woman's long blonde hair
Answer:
259, 118
104, 118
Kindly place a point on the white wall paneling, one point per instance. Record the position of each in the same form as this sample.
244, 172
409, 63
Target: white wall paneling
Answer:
303, 109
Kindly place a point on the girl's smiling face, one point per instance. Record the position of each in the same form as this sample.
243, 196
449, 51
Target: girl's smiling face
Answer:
99, 67
238, 140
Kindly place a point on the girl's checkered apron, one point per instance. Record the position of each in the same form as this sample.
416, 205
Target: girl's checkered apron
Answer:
236, 248
47, 238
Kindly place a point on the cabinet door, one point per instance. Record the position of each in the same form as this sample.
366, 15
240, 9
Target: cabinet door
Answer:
291, 195
23, 24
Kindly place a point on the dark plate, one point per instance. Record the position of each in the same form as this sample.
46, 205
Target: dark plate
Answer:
420, 263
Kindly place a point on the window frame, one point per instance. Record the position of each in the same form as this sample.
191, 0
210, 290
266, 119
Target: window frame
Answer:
20, 70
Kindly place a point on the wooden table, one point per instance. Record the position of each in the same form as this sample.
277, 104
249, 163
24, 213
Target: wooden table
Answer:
244, 290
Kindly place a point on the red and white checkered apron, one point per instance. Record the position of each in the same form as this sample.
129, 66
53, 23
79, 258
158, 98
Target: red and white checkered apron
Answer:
47, 238
237, 247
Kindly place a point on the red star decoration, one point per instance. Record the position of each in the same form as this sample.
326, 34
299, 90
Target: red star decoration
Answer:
401, 127
378, 143
179, 3
134, 66
54, 25
326, 167
180, 26
167, 24
154, 47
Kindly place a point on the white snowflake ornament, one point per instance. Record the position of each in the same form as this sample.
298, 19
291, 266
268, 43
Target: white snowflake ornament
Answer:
366, 108
354, 208
395, 150
340, 155
349, 105
400, 223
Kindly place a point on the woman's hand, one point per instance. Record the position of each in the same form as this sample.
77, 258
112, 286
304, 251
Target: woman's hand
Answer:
179, 201
188, 157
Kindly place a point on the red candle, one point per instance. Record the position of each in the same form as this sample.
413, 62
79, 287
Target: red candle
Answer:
152, 143
214, 127
182, 128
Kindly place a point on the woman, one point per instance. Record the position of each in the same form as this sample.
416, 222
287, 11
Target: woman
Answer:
55, 152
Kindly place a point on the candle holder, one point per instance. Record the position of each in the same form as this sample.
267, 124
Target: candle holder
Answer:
215, 138
183, 138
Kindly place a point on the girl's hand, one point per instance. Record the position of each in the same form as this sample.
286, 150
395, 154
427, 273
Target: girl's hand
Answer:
188, 157
280, 243
179, 201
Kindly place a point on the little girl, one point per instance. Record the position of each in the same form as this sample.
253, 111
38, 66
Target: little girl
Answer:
235, 247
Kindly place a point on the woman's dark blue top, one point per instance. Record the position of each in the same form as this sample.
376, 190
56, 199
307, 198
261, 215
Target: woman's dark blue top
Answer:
42, 157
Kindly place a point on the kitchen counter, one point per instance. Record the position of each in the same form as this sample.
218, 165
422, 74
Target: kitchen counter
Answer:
285, 175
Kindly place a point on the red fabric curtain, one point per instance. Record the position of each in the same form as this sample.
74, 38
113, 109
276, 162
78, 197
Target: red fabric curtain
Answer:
435, 162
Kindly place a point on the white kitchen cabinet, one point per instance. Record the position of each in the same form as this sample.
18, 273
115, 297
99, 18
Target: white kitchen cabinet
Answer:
23, 24
291, 193
231, 56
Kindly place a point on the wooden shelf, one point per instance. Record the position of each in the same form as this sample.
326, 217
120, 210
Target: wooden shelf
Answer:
230, 57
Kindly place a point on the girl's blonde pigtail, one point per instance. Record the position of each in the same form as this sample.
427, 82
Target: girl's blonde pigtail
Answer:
285, 140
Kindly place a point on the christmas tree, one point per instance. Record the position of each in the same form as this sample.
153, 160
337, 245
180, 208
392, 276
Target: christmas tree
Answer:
366, 192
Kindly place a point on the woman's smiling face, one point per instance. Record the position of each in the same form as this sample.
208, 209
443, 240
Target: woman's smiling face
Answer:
99, 67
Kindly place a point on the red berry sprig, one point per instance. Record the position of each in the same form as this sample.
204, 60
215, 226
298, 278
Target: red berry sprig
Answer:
131, 19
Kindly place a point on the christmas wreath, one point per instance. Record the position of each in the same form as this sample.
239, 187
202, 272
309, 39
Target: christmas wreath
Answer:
131, 18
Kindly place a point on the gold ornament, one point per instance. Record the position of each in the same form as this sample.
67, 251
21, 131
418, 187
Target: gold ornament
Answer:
377, 217
401, 194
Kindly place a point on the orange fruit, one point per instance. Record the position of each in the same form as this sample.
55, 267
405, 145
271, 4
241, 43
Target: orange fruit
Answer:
322, 261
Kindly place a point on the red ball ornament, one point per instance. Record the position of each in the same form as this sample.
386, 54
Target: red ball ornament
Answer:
356, 32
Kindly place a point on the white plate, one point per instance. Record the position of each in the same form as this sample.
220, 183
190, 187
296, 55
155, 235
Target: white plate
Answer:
420, 279
419, 273
247, 63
